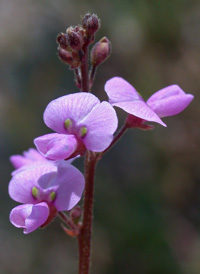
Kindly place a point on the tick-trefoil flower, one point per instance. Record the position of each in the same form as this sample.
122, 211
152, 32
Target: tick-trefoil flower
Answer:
166, 102
44, 190
81, 122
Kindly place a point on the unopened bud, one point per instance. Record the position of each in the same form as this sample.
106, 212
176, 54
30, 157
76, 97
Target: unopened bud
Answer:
100, 52
70, 58
91, 23
75, 214
62, 41
75, 38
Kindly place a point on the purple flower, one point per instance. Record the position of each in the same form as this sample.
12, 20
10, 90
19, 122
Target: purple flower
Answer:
166, 102
44, 190
81, 122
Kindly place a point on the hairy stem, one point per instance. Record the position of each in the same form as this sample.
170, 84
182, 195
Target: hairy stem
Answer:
92, 75
84, 71
86, 229
77, 78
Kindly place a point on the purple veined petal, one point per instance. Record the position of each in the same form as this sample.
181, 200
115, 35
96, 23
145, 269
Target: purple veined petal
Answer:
101, 124
32, 165
73, 106
119, 90
169, 101
70, 184
27, 158
140, 109
20, 186
172, 105
18, 161
165, 92
55, 146
29, 216
33, 155
36, 163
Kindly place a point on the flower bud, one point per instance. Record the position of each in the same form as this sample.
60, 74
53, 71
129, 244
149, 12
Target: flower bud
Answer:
91, 23
75, 213
62, 41
70, 58
75, 38
100, 52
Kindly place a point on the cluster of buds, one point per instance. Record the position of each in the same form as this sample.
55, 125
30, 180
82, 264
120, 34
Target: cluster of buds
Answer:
70, 45
73, 44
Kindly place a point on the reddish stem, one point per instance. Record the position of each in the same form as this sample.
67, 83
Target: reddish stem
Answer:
92, 75
77, 78
86, 229
84, 71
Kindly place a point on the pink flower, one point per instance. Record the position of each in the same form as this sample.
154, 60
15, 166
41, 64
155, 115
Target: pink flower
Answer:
165, 102
44, 190
81, 122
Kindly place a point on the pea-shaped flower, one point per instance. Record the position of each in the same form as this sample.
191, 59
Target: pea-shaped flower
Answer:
165, 102
44, 190
81, 122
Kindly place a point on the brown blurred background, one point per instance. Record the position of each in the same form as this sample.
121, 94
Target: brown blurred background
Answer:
147, 194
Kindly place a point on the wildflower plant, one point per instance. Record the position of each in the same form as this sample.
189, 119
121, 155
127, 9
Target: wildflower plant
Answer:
44, 180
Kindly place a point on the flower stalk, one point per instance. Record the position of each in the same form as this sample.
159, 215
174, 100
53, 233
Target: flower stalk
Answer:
85, 234
84, 71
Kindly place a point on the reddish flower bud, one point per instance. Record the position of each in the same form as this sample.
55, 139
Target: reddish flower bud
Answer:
91, 23
100, 52
75, 38
70, 58
62, 41
75, 214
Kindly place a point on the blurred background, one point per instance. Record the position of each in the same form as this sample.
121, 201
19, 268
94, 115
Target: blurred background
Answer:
147, 191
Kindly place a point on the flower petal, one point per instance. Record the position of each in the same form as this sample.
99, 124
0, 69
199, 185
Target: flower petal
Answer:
18, 161
140, 109
27, 158
73, 106
101, 123
29, 216
55, 146
20, 186
32, 165
165, 92
119, 90
169, 101
70, 183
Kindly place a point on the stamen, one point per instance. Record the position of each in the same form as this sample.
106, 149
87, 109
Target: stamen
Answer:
83, 131
52, 196
68, 123
35, 192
